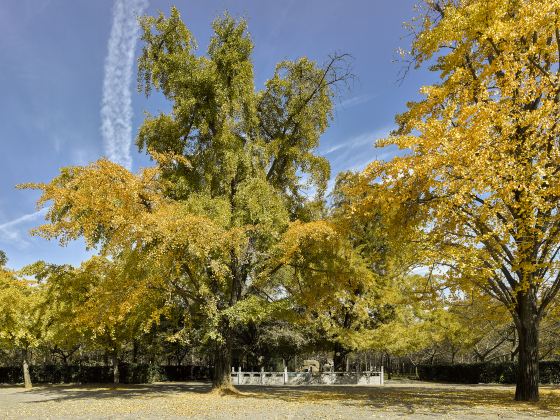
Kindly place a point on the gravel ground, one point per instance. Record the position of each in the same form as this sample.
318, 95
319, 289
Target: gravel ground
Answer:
194, 400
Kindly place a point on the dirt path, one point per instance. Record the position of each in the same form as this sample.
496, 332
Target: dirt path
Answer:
193, 400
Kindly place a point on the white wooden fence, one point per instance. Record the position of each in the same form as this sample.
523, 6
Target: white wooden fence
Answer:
306, 378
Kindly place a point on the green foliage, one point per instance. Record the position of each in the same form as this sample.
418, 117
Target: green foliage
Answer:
3, 259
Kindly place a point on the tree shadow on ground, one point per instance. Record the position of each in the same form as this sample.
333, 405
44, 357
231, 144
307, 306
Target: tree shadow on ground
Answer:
401, 398
433, 398
126, 391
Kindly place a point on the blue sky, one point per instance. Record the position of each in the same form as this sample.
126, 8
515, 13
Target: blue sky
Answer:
52, 58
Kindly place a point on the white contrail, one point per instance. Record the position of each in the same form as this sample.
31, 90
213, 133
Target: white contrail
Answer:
116, 110
23, 219
10, 232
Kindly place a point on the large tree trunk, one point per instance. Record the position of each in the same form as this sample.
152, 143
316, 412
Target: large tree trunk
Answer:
527, 387
221, 378
116, 374
26, 376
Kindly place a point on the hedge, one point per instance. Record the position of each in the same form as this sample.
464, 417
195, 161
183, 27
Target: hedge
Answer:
474, 373
128, 373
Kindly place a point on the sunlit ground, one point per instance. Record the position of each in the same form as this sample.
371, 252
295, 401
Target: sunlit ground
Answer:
193, 400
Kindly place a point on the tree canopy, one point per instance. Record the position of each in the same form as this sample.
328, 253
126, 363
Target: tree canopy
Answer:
229, 176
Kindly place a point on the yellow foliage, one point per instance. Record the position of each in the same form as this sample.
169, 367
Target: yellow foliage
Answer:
20, 300
480, 177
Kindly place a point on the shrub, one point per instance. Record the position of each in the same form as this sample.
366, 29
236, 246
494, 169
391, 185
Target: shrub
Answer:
128, 373
474, 373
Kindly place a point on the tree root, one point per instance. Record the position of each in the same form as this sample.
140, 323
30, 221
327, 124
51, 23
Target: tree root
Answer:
225, 390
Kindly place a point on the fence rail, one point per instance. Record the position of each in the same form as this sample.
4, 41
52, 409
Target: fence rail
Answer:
306, 378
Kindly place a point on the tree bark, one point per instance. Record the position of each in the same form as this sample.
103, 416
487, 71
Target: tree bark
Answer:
339, 357
66, 376
116, 374
221, 378
453, 354
26, 376
134, 351
527, 387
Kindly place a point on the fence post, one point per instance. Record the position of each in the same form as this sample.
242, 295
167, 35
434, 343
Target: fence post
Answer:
285, 375
239, 375
262, 375
381, 378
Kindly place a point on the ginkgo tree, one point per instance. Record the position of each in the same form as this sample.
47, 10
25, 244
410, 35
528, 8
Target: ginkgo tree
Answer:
100, 304
20, 329
328, 283
344, 273
232, 166
60, 333
482, 169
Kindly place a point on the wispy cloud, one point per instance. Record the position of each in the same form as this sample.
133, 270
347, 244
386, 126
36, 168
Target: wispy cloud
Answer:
361, 164
354, 153
353, 142
352, 146
13, 232
355, 100
116, 110
333, 149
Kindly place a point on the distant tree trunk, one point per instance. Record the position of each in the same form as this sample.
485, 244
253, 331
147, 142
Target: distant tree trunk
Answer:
179, 356
66, 377
116, 374
134, 351
339, 357
26, 376
453, 354
527, 387
513, 354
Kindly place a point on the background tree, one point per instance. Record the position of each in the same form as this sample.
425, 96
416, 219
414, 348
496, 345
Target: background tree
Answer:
550, 334
284, 339
19, 321
328, 283
3, 259
100, 304
61, 333
345, 272
482, 167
